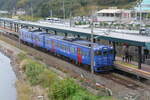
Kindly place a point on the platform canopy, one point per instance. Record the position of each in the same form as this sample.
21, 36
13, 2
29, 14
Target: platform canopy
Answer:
132, 39
109, 11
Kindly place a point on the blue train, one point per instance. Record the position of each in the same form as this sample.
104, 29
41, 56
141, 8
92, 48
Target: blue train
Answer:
75, 49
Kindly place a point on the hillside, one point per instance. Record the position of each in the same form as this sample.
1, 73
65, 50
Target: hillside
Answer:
43, 8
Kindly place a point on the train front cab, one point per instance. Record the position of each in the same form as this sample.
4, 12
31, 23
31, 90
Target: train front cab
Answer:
103, 60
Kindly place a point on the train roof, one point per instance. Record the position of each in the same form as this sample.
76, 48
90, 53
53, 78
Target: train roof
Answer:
71, 39
88, 43
55, 37
81, 42
39, 33
35, 30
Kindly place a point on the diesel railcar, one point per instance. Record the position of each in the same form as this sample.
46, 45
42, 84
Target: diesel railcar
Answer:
75, 49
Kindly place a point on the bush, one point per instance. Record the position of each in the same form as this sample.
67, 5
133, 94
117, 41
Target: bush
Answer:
67, 89
63, 89
82, 95
47, 78
22, 56
33, 70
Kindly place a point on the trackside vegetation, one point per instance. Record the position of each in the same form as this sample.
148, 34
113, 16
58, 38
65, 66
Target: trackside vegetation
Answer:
58, 88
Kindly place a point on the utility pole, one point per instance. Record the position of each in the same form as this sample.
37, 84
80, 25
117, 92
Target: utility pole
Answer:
70, 19
140, 14
51, 13
71, 13
92, 46
19, 40
31, 11
64, 15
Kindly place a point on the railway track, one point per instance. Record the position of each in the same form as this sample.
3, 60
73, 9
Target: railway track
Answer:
109, 75
115, 77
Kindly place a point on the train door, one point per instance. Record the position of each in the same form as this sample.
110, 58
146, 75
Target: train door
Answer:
35, 40
105, 56
79, 55
53, 46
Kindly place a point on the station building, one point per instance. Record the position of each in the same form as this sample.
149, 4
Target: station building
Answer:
121, 16
113, 14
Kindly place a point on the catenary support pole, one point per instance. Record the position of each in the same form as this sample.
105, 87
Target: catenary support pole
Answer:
92, 47
19, 40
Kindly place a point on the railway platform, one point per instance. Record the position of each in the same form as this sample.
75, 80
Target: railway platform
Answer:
132, 68
134, 64
7, 30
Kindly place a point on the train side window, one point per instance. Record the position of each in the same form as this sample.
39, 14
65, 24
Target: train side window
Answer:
63, 47
83, 53
111, 51
98, 53
58, 45
72, 50
67, 49
29, 36
47, 41
38, 39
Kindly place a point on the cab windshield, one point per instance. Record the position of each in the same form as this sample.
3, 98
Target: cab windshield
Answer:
105, 53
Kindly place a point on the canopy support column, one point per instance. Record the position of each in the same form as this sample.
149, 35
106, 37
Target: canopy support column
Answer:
55, 32
15, 27
140, 57
66, 34
94, 40
46, 30
11, 26
4, 24
78, 36
114, 47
